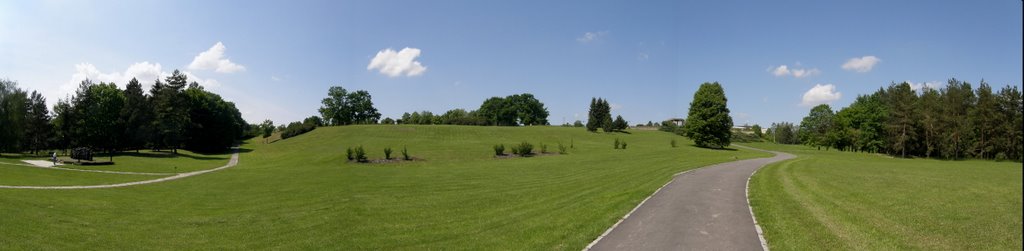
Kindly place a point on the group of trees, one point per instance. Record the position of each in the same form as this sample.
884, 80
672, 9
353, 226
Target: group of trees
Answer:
520, 109
341, 107
600, 116
708, 123
953, 122
101, 116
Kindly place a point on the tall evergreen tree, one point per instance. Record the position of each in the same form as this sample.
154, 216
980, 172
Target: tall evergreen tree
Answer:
1010, 108
38, 129
170, 111
900, 99
929, 109
957, 99
984, 121
138, 116
592, 123
708, 122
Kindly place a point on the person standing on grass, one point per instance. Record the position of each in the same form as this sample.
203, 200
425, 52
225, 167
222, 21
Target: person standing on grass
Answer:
54, 158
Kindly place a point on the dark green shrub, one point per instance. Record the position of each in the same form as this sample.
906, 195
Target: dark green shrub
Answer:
81, 153
360, 154
350, 154
405, 153
1001, 156
617, 143
673, 143
543, 148
387, 153
623, 144
561, 149
523, 149
499, 149
515, 150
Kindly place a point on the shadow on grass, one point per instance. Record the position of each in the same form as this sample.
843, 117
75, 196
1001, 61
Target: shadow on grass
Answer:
715, 148
165, 154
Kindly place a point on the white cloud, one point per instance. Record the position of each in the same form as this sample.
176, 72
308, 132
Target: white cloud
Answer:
145, 72
592, 36
780, 71
861, 64
614, 106
213, 59
275, 78
643, 56
821, 94
934, 85
784, 70
394, 64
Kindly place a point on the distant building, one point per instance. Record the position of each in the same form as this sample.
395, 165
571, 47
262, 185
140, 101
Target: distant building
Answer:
677, 121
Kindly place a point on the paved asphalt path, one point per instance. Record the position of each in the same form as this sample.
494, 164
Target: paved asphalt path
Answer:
703, 209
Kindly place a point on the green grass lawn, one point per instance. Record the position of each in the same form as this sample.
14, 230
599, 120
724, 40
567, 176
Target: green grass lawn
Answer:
301, 193
826, 200
18, 175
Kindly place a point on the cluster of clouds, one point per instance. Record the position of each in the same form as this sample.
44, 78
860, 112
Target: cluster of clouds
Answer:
827, 93
397, 63
784, 70
592, 36
147, 73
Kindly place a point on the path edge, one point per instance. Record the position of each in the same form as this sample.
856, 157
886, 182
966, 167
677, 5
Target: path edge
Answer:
609, 230
757, 226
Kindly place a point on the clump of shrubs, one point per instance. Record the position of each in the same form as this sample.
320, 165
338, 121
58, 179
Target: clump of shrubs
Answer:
620, 144
405, 153
523, 149
499, 150
387, 153
360, 154
350, 154
673, 143
562, 149
543, 148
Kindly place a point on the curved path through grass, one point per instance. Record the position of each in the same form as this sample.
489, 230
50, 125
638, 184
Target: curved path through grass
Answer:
700, 209
231, 163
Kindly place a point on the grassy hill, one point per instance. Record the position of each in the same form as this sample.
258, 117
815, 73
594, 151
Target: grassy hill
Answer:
302, 193
826, 200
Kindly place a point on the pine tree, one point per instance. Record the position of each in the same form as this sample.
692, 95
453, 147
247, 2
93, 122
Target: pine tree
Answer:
37, 123
592, 123
901, 123
957, 99
984, 121
138, 115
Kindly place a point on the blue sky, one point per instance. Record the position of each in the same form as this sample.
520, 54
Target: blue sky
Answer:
276, 59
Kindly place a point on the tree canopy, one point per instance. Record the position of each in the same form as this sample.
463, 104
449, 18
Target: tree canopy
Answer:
708, 123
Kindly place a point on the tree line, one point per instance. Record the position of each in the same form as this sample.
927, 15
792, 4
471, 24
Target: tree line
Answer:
513, 110
953, 122
101, 116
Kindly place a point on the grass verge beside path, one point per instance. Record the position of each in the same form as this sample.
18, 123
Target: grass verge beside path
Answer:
841, 200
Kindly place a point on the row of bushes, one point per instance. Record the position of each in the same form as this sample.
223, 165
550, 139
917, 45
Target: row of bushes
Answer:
358, 154
620, 144
526, 149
